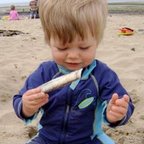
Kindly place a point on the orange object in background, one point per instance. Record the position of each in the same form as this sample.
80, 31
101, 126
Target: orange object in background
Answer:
126, 31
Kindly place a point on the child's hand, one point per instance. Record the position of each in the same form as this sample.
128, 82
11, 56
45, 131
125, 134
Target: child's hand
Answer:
32, 100
117, 108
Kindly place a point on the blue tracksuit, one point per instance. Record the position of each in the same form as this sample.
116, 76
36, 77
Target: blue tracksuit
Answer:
70, 116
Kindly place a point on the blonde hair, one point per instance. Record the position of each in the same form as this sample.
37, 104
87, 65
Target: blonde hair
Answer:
64, 19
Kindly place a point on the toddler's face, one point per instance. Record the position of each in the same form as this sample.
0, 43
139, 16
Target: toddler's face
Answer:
75, 55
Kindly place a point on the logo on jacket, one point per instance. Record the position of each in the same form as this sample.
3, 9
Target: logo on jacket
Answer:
86, 102
85, 98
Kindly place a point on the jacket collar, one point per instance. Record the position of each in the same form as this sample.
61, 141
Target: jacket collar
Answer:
85, 73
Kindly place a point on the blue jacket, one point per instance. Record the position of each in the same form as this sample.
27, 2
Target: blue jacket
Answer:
70, 116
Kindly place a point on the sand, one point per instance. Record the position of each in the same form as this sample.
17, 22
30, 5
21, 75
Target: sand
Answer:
21, 54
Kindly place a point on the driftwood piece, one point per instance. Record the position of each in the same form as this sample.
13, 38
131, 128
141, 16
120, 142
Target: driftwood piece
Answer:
61, 81
10, 32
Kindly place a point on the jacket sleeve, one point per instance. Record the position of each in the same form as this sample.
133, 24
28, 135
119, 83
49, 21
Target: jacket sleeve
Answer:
33, 81
109, 84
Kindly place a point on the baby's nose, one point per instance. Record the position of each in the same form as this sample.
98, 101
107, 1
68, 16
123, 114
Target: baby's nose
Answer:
73, 54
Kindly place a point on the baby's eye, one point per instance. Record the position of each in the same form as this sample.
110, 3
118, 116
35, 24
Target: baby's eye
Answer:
84, 48
62, 48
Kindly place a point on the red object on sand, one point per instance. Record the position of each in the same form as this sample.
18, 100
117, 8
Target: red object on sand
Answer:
126, 31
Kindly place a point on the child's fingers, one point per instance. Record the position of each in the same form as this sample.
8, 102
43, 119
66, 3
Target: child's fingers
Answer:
112, 101
117, 114
33, 91
114, 98
123, 102
35, 94
126, 98
37, 97
40, 101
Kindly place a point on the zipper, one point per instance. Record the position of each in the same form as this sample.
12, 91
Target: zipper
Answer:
65, 125
65, 122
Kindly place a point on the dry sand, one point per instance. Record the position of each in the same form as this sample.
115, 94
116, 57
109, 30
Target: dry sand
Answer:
21, 54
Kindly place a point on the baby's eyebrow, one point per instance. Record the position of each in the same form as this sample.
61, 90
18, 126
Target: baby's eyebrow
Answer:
61, 44
84, 44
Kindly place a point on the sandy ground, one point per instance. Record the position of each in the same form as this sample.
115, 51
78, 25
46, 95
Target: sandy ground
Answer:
21, 54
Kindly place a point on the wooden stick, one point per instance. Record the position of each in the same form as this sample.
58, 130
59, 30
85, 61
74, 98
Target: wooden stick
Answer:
61, 81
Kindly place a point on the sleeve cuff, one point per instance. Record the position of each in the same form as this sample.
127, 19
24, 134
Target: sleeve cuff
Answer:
26, 120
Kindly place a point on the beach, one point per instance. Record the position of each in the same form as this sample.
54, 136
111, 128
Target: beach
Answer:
22, 54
